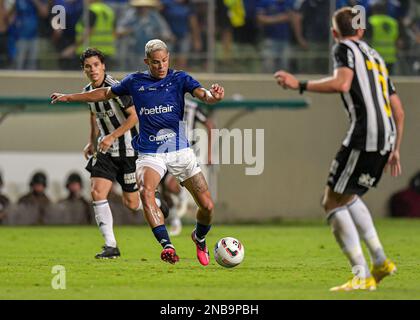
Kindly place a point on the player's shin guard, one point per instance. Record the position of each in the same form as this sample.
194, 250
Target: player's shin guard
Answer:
103, 216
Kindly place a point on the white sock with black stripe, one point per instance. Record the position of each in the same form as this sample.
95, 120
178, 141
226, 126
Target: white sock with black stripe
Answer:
103, 216
364, 223
345, 233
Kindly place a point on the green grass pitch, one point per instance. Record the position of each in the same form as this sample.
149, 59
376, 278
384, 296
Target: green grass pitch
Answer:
282, 261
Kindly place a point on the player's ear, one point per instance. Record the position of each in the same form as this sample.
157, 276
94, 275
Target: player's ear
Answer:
335, 33
360, 32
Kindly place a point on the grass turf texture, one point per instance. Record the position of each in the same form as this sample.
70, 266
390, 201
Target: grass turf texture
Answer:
289, 261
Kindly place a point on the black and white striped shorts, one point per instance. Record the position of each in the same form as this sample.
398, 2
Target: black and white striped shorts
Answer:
355, 171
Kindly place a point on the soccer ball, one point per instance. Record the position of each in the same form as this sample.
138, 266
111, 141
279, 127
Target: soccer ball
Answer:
229, 252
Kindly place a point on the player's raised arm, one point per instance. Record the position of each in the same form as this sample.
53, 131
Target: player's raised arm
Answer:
339, 82
100, 94
212, 96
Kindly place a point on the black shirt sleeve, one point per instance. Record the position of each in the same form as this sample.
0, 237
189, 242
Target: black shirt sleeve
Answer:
127, 101
343, 56
391, 87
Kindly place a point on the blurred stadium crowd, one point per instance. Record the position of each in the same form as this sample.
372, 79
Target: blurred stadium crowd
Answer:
216, 36
36, 208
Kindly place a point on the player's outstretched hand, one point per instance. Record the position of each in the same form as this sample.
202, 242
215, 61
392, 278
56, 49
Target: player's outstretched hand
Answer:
59, 97
286, 80
394, 164
217, 91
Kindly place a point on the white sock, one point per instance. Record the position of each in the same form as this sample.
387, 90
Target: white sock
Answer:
345, 233
103, 216
364, 223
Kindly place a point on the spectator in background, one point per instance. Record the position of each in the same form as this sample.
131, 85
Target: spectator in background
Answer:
183, 21
34, 206
243, 19
274, 16
119, 6
142, 23
27, 19
406, 203
4, 201
63, 39
74, 209
99, 34
383, 33
313, 33
224, 31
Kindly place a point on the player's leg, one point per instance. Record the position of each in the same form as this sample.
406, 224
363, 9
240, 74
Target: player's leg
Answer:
343, 227
171, 191
373, 165
346, 235
341, 190
148, 179
198, 188
126, 177
100, 188
381, 265
184, 166
102, 175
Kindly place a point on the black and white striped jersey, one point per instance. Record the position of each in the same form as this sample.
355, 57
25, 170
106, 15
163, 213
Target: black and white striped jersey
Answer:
110, 115
192, 114
372, 126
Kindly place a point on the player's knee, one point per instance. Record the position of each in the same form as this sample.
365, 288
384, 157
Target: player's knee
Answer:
131, 204
207, 206
97, 194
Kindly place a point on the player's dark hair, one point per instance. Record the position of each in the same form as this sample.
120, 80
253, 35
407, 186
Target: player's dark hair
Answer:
91, 52
343, 19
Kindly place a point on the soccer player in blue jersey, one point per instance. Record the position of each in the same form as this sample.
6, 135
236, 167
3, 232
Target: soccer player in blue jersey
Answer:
158, 96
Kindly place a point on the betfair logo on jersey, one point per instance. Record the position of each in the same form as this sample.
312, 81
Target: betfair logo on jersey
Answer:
366, 180
156, 110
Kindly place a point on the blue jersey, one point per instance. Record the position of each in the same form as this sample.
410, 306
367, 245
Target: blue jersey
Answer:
160, 108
